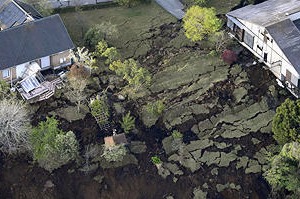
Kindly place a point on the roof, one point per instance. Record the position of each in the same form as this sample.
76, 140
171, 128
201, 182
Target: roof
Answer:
29, 9
33, 40
109, 141
11, 14
276, 16
268, 12
120, 138
287, 36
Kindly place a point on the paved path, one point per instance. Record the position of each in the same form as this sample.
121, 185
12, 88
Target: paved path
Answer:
174, 7
66, 3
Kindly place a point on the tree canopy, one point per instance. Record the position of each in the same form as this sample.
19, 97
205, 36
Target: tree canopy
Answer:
284, 169
286, 122
200, 22
52, 147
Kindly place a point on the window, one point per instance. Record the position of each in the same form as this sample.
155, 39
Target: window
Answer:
5, 73
248, 39
61, 60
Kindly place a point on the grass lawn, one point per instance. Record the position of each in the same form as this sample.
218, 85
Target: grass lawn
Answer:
133, 24
222, 6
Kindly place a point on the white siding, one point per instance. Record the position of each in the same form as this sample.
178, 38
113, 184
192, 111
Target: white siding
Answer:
264, 43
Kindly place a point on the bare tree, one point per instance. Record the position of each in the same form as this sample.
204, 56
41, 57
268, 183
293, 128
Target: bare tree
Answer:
14, 126
78, 80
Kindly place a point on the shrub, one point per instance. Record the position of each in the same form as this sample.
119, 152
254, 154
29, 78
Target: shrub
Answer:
52, 147
156, 108
156, 160
114, 153
286, 122
177, 134
99, 108
127, 123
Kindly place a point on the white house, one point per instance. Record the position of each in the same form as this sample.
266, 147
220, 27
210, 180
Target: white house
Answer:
271, 31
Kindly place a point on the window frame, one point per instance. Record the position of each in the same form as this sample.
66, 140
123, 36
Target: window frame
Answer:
6, 71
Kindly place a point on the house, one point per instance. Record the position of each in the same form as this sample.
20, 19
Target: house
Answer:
271, 31
30, 44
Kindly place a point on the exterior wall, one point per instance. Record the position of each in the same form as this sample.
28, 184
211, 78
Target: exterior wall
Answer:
13, 74
266, 50
55, 60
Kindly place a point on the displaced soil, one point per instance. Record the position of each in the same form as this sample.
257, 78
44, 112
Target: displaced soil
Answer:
224, 113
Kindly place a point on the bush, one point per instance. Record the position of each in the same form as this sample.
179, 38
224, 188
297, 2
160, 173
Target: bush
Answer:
156, 160
52, 147
114, 153
100, 32
284, 169
156, 108
286, 122
177, 134
99, 108
127, 123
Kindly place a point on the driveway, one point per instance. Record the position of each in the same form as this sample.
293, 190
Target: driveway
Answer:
174, 7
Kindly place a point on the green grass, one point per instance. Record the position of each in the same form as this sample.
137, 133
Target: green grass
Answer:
222, 6
133, 24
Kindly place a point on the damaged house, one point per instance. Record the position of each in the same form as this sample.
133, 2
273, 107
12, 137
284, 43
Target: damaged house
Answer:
271, 31
30, 43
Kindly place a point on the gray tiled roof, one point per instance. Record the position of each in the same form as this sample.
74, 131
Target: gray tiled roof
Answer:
33, 40
268, 12
10, 14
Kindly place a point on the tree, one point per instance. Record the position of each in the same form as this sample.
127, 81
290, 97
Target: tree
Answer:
135, 75
286, 122
103, 31
114, 153
43, 6
82, 57
110, 53
200, 22
127, 123
77, 82
52, 147
284, 169
14, 126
